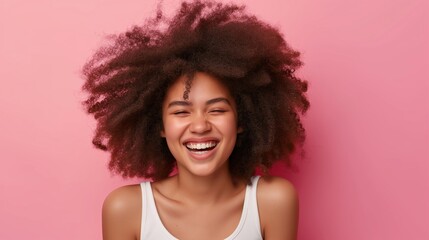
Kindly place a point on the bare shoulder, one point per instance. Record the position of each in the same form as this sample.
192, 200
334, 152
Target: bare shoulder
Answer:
276, 189
123, 199
121, 213
278, 208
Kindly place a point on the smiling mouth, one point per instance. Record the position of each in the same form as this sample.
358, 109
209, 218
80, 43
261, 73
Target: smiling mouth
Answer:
201, 147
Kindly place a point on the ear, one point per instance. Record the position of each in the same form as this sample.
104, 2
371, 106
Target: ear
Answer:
162, 133
240, 130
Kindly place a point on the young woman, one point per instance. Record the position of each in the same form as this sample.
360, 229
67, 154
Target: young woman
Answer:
197, 103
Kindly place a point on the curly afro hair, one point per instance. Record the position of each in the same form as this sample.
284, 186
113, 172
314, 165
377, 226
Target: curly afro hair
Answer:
127, 80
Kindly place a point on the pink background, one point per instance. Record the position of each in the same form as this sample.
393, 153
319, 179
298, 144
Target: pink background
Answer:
366, 173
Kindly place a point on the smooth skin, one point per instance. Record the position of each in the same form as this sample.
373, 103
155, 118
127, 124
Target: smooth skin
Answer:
202, 194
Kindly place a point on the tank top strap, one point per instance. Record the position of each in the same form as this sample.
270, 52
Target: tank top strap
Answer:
253, 225
253, 208
249, 227
151, 224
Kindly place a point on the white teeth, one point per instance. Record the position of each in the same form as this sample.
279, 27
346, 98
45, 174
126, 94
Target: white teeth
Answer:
200, 152
199, 146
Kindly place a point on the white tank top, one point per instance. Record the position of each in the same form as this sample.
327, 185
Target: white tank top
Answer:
248, 228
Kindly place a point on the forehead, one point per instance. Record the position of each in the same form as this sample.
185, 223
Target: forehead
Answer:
202, 87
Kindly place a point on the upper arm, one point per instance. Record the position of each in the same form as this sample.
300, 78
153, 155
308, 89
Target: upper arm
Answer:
278, 208
121, 214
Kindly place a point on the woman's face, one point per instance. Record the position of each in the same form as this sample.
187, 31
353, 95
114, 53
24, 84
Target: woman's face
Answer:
201, 131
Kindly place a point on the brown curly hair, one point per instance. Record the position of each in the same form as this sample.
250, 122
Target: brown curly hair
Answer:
127, 80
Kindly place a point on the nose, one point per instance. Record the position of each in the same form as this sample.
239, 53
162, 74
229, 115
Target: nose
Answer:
199, 124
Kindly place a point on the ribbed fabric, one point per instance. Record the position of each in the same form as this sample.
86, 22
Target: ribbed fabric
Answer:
248, 228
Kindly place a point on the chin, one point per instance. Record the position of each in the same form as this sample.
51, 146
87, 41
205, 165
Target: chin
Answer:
204, 171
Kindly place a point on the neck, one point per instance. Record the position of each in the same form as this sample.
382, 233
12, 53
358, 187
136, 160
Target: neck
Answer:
206, 189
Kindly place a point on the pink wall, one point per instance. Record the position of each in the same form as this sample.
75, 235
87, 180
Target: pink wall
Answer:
366, 174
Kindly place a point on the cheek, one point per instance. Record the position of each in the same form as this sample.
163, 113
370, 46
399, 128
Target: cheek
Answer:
173, 128
227, 125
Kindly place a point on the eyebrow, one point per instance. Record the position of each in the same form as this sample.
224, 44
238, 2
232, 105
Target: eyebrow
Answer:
208, 102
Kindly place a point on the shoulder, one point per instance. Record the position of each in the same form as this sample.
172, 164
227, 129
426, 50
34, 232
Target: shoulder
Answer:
278, 208
276, 189
121, 214
123, 198
276, 193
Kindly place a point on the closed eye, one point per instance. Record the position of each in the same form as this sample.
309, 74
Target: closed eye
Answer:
218, 111
180, 112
